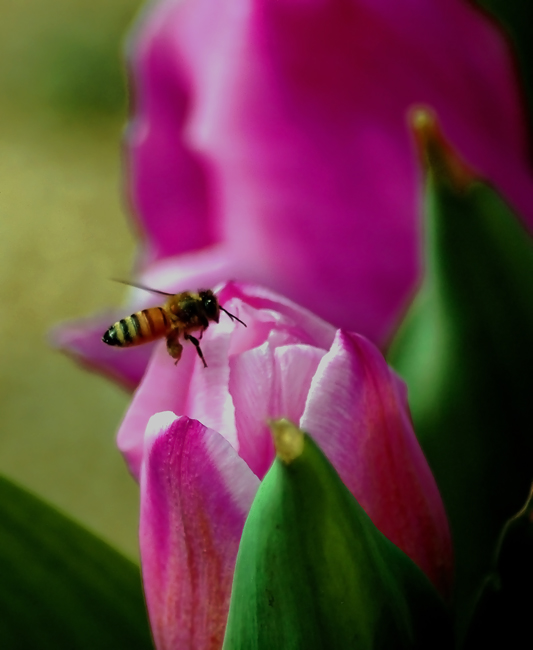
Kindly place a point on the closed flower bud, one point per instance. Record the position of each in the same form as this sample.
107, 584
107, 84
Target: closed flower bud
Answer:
314, 572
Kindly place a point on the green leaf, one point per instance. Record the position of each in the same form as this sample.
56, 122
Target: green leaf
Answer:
313, 572
62, 587
502, 617
465, 352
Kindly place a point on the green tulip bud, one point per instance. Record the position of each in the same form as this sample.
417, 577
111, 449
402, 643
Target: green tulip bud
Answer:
313, 571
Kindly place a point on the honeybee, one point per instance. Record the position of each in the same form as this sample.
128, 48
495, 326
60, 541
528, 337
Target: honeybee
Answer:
181, 314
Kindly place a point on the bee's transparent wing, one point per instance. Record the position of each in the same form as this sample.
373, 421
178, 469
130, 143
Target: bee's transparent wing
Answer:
141, 286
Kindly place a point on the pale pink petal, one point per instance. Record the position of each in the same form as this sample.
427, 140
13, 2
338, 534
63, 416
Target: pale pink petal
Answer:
252, 387
357, 412
269, 382
296, 366
209, 399
164, 387
260, 325
195, 496
308, 327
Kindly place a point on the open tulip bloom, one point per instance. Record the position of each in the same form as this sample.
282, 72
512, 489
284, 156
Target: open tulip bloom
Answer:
285, 496
202, 457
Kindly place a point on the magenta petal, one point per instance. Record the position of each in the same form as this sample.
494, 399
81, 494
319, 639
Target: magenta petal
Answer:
82, 340
195, 496
164, 387
357, 412
280, 128
169, 180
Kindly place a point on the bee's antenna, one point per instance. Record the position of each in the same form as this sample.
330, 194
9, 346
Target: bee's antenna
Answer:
141, 286
233, 317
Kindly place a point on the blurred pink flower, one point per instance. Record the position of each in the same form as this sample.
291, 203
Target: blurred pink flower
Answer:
269, 143
199, 469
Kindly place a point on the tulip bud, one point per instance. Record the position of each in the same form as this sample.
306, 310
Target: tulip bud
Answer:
466, 355
314, 572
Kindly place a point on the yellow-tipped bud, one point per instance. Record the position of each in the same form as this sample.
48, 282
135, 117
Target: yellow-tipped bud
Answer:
436, 152
288, 440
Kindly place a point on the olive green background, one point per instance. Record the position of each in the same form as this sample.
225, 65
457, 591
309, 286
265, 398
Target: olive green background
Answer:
63, 233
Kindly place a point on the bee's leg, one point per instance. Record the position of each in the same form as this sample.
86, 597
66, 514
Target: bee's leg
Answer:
174, 347
196, 344
202, 332
205, 325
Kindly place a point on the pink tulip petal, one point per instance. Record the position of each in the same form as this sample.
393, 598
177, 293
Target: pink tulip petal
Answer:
209, 397
296, 365
157, 139
308, 327
293, 116
252, 379
82, 340
357, 412
203, 393
268, 383
164, 387
195, 496
186, 388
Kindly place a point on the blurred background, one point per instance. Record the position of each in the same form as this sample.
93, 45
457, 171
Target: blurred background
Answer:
63, 235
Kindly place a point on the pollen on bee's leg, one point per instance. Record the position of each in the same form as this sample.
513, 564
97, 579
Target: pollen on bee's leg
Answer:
174, 347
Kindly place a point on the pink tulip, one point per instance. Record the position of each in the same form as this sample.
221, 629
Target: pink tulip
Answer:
269, 143
198, 438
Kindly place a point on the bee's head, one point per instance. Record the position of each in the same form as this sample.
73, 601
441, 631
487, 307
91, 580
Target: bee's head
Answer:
210, 305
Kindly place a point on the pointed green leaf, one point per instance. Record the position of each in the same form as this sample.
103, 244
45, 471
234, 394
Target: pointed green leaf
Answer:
62, 587
502, 617
314, 572
465, 352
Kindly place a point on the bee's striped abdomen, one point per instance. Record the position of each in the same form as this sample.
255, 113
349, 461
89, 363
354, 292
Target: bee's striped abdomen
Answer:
142, 327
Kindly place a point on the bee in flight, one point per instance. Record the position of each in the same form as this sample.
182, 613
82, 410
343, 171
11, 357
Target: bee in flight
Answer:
181, 314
